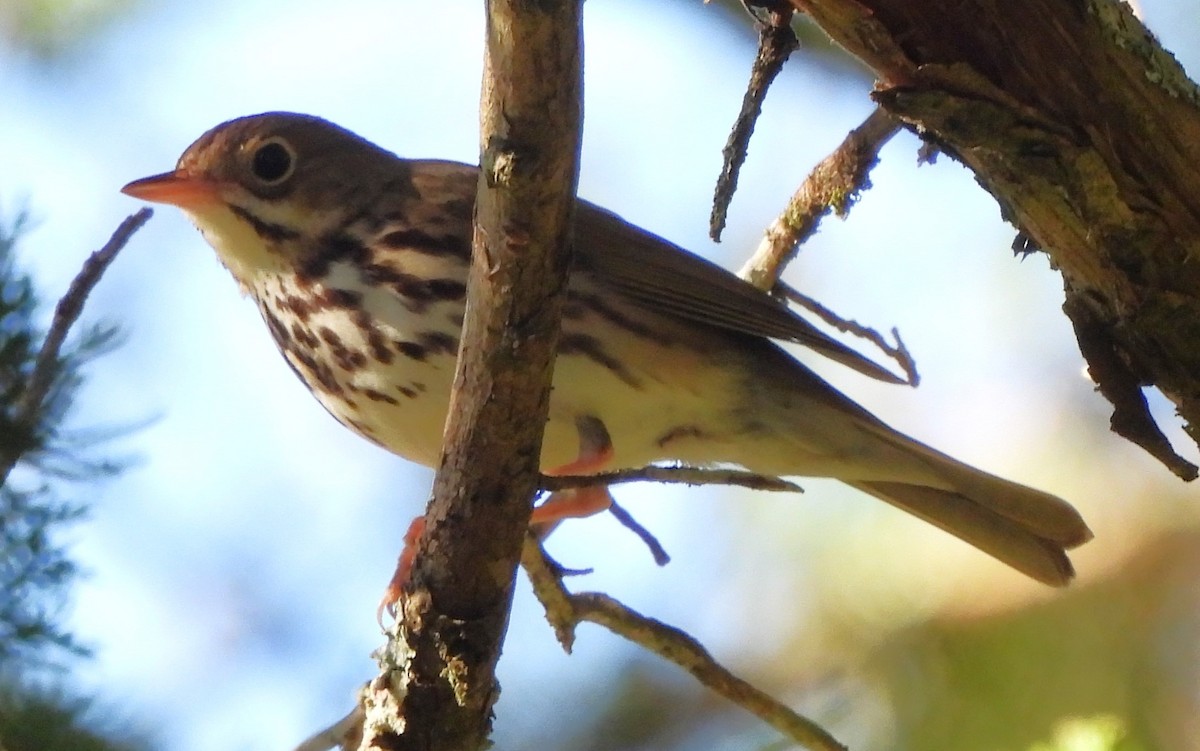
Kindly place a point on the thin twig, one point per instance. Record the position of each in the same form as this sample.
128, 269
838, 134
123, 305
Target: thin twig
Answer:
897, 352
627, 521
776, 42
675, 475
546, 574
565, 611
66, 313
832, 185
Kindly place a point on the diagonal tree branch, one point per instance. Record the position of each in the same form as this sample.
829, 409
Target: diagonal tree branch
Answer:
66, 313
438, 683
565, 611
776, 42
832, 186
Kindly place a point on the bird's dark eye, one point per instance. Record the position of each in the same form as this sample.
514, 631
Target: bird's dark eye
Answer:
273, 161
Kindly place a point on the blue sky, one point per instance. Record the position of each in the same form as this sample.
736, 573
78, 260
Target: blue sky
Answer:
236, 566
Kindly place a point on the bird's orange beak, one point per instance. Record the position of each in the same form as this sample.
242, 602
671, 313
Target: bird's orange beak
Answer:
176, 188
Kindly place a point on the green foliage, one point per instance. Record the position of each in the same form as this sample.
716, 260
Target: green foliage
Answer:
33, 720
51, 28
36, 456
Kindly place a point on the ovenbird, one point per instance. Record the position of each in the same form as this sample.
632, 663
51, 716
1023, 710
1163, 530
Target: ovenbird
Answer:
357, 260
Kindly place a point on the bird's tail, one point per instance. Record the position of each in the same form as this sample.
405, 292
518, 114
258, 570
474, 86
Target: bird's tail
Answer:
816, 430
1032, 547
1025, 528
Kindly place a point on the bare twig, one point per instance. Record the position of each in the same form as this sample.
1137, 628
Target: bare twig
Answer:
676, 475
897, 352
776, 42
565, 611
831, 186
627, 521
673, 475
66, 313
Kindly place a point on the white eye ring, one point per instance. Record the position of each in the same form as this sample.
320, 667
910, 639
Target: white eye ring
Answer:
273, 161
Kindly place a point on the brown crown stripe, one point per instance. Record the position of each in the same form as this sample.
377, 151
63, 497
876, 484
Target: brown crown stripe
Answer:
269, 231
418, 241
590, 347
406, 391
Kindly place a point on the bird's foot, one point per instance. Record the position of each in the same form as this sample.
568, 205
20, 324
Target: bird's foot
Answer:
595, 453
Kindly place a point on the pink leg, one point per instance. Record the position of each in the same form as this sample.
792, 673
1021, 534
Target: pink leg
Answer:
403, 568
595, 452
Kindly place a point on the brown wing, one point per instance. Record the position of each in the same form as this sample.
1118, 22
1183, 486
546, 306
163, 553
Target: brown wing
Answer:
666, 278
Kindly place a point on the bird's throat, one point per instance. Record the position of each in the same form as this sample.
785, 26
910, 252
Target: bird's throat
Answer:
245, 252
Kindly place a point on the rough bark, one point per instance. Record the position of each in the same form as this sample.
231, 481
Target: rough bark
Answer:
1088, 135
438, 684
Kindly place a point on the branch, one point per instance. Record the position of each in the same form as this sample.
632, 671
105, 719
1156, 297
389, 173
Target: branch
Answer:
776, 42
438, 685
671, 475
1087, 133
674, 475
832, 186
633, 525
66, 313
897, 352
565, 611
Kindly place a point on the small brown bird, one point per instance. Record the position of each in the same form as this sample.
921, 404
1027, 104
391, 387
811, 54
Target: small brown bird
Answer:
358, 261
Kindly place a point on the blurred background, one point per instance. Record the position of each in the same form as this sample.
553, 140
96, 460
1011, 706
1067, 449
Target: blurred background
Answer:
231, 571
